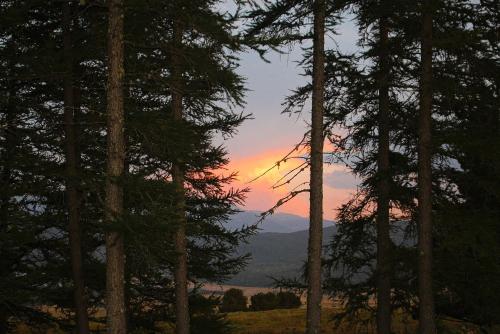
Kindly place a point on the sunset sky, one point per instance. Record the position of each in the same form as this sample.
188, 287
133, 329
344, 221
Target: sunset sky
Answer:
263, 140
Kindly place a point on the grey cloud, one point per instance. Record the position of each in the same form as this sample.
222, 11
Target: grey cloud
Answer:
341, 180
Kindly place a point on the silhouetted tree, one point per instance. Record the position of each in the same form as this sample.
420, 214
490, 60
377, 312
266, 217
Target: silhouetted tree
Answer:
233, 301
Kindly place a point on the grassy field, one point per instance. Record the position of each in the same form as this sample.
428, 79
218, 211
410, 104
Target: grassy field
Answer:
292, 321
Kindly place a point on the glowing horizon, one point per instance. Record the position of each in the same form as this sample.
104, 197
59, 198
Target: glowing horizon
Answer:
262, 196
269, 135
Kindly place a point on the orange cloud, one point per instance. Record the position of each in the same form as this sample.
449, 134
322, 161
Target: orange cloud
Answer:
257, 173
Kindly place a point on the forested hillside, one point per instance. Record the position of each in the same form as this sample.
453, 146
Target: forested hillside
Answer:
275, 256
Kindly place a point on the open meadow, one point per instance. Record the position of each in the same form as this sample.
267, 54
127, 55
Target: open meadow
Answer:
292, 321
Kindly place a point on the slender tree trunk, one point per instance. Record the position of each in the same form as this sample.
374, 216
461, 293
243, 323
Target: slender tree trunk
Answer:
127, 294
127, 250
5, 183
180, 242
383, 237
115, 258
3, 322
314, 290
6, 159
426, 316
72, 166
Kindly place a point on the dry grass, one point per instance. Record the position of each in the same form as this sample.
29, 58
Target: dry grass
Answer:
288, 322
292, 321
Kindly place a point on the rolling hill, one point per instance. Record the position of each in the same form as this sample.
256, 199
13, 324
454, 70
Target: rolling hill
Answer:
278, 251
278, 222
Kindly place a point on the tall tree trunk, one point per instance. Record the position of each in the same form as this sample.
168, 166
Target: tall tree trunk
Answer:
72, 166
4, 325
6, 159
115, 258
127, 293
383, 237
180, 242
127, 250
5, 195
314, 290
425, 293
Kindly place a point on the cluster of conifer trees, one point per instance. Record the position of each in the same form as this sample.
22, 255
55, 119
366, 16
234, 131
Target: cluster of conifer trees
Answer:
109, 171
430, 182
111, 190
411, 113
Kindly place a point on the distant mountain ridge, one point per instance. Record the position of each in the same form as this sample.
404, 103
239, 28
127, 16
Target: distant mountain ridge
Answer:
276, 223
278, 250
275, 255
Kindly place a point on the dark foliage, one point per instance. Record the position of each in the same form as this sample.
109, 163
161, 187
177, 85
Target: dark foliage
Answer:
233, 301
271, 301
36, 268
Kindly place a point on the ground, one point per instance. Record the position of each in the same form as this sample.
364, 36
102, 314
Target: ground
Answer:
292, 321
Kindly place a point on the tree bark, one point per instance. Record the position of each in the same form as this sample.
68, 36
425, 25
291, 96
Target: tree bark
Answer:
6, 159
5, 183
383, 236
180, 243
425, 292
314, 289
115, 258
72, 167
4, 324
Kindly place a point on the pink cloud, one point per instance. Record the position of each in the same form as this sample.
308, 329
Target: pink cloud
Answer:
256, 173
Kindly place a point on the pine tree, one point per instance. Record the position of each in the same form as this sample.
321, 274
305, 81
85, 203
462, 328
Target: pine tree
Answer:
287, 22
374, 111
196, 79
115, 255
154, 141
426, 297
353, 251
358, 99
466, 88
314, 279
32, 246
180, 240
383, 187
71, 109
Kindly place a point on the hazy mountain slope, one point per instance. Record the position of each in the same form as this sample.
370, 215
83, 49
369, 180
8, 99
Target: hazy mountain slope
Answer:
279, 222
283, 254
275, 255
